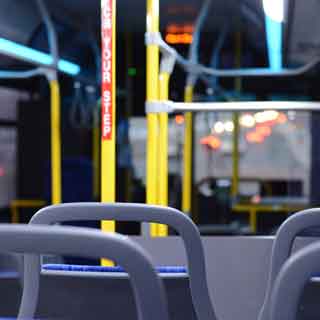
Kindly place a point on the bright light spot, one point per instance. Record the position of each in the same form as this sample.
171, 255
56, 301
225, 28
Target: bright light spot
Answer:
229, 126
219, 127
247, 121
274, 9
211, 142
35, 56
266, 116
132, 72
255, 137
256, 199
264, 130
282, 119
259, 117
179, 119
183, 38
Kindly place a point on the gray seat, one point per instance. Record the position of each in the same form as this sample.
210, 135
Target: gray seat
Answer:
141, 213
11, 283
282, 247
147, 287
190, 235
291, 281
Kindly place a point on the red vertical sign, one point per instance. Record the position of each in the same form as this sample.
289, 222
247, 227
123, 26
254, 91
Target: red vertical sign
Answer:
107, 62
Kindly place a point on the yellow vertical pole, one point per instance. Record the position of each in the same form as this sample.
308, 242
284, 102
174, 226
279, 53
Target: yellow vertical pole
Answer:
235, 155
152, 118
163, 149
108, 109
187, 155
236, 132
14, 214
253, 219
56, 197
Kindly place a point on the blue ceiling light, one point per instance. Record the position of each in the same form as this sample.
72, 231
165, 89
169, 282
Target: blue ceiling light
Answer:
68, 67
274, 17
274, 41
274, 9
19, 51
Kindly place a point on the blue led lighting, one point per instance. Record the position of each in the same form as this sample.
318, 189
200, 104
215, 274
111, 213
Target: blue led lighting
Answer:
274, 42
32, 55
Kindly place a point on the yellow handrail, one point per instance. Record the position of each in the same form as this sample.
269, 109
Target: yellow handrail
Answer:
187, 156
108, 106
152, 119
163, 150
235, 155
56, 193
22, 203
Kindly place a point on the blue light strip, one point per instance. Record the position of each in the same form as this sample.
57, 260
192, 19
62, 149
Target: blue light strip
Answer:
274, 42
25, 53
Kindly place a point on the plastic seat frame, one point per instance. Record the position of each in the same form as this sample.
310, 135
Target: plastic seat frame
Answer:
204, 308
291, 281
35, 240
282, 249
131, 212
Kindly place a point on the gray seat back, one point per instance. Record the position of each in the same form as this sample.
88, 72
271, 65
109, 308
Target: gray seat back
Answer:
282, 248
147, 287
291, 281
140, 213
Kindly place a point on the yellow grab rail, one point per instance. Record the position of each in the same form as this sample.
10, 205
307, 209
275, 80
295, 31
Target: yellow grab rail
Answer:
22, 203
108, 110
56, 193
163, 150
152, 119
235, 155
187, 156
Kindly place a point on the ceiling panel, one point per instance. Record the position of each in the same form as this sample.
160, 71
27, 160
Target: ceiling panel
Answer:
24, 19
131, 14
